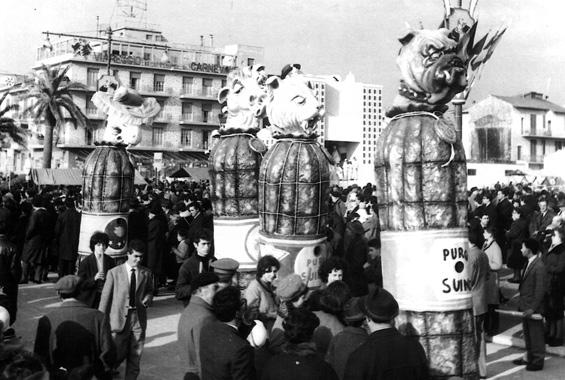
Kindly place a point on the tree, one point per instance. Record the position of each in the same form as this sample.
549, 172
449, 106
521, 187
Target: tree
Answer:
8, 126
51, 89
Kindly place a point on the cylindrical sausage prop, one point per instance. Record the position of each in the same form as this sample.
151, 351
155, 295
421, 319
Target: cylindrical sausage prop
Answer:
421, 190
108, 178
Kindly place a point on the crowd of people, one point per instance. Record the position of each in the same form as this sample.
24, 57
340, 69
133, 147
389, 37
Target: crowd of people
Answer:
271, 328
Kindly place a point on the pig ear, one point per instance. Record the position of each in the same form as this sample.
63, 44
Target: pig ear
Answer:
407, 37
272, 82
223, 94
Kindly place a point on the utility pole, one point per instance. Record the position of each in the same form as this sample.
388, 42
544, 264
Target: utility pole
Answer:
109, 32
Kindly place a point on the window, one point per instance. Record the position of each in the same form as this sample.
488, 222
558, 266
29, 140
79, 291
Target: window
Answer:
533, 150
92, 77
187, 83
224, 83
205, 139
205, 112
250, 61
558, 145
519, 152
186, 137
88, 136
521, 125
90, 107
207, 86
543, 147
187, 111
158, 82
148, 37
157, 136
471, 171
134, 80
533, 124
147, 56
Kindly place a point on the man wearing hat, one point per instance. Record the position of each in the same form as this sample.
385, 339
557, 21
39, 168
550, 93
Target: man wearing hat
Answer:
74, 337
386, 354
348, 340
226, 270
193, 317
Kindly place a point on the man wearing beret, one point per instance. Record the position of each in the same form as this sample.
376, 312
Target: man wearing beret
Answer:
193, 317
73, 338
386, 354
127, 293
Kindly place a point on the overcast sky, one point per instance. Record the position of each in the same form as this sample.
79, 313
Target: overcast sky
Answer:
325, 36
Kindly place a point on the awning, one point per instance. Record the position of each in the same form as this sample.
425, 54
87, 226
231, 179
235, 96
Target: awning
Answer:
177, 157
68, 177
198, 174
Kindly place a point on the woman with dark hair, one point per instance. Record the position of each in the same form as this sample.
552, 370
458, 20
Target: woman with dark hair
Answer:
93, 269
555, 266
515, 236
299, 360
332, 302
261, 291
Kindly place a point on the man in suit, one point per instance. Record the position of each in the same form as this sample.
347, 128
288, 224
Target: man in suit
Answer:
532, 292
480, 271
67, 230
127, 293
73, 339
36, 240
194, 316
224, 354
94, 268
541, 220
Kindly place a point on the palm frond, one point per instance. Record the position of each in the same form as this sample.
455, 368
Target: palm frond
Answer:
10, 128
6, 109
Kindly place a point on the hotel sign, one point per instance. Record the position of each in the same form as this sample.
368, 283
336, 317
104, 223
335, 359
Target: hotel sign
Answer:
138, 61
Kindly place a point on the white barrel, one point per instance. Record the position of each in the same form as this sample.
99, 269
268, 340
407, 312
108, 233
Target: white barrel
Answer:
427, 270
113, 224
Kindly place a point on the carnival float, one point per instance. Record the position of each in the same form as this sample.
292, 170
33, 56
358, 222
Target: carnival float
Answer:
421, 181
108, 174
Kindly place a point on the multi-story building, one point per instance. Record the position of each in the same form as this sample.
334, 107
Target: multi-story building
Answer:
351, 125
511, 132
185, 80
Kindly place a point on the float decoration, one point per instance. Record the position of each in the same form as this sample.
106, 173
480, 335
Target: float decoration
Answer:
294, 178
421, 190
234, 166
108, 175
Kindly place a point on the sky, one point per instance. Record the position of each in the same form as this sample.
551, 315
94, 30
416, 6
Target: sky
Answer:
325, 36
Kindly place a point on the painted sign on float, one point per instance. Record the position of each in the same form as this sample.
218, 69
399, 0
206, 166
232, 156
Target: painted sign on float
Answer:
427, 270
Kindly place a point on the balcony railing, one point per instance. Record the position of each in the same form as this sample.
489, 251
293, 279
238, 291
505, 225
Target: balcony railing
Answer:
205, 92
545, 132
187, 117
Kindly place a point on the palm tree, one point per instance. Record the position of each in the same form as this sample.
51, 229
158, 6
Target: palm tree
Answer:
8, 126
51, 89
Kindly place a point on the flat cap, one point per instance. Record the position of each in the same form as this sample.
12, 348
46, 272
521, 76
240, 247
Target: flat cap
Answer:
290, 288
67, 284
225, 268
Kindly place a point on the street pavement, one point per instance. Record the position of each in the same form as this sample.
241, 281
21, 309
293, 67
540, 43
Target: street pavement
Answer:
161, 360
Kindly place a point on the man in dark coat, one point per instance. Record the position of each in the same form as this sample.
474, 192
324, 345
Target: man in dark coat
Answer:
199, 222
540, 220
503, 219
94, 268
137, 221
198, 263
224, 354
532, 293
194, 316
356, 249
386, 354
156, 241
9, 272
67, 231
36, 242
74, 338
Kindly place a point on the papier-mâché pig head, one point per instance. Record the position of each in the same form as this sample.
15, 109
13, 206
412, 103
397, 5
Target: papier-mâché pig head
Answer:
244, 96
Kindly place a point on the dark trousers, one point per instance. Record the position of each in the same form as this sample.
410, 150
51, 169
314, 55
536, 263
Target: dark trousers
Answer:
491, 320
535, 341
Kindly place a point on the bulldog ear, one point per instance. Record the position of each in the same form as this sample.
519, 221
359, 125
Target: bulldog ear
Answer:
407, 37
223, 94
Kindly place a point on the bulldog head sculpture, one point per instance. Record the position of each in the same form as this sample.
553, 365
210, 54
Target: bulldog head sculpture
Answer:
292, 108
127, 111
244, 96
433, 70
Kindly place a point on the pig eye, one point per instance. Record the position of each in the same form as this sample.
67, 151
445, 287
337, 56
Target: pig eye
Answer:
299, 99
237, 88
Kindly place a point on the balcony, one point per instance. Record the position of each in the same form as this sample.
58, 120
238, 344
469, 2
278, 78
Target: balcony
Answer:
93, 113
538, 133
163, 117
199, 93
153, 90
